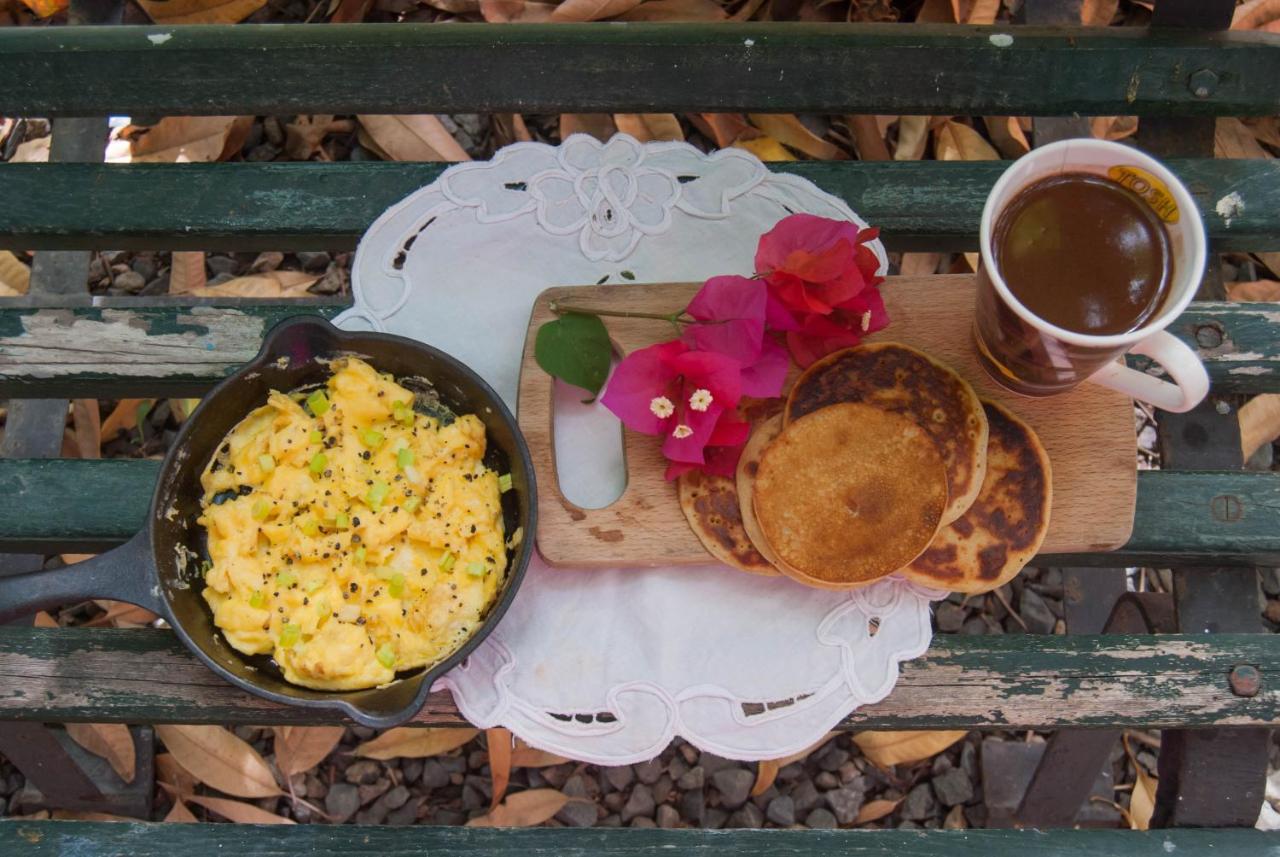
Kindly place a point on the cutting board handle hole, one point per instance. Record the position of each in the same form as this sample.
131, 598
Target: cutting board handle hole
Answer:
590, 459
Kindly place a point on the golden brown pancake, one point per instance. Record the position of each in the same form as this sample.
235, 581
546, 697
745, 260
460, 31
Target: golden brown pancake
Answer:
748, 465
848, 494
898, 378
988, 545
710, 503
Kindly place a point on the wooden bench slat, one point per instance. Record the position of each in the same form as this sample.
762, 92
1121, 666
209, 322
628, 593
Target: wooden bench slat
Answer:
925, 205
1014, 681
861, 68
1182, 518
108, 839
134, 350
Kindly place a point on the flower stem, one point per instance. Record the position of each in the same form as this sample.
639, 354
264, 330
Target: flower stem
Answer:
673, 317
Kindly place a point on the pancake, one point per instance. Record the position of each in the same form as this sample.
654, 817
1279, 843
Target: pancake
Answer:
848, 494
1005, 526
898, 378
761, 436
710, 503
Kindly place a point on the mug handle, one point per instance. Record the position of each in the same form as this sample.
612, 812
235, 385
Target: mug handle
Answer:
1190, 380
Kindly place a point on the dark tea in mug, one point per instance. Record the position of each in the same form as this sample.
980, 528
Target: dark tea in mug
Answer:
1084, 253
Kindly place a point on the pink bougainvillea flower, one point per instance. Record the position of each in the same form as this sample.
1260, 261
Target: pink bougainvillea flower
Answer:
819, 335
731, 315
720, 461
814, 264
670, 389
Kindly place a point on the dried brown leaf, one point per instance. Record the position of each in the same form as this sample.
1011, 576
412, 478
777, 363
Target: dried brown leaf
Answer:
1142, 802
598, 125
349, 11
111, 741
868, 138
15, 275
44, 620
85, 815
724, 128
123, 418
1233, 139
415, 743
186, 272
524, 809
1257, 290
874, 810
1098, 13
748, 10
170, 773
180, 814
676, 10
200, 11
1257, 15
1007, 135
955, 141
121, 614
181, 139
272, 284
303, 136
88, 428
32, 152
420, 137
524, 756
301, 748
1266, 129
766, 149
516, 11
1113, 127
510, 128
238, 811
1259, 421
913, 138
766, 773
919, 264
647, 127
573, 11
499, 742
268, 260
791, 132
975, 11
218, 758
887, 749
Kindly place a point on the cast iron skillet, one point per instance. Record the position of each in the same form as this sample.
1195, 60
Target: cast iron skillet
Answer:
159, 567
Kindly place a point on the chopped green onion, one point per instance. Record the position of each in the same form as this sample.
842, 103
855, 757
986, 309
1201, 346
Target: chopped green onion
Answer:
258, 600
386, 655
404, 458
377, 494
285, 577
261, 508
205, 567
317, 403
342, 521
266, 462
402, 412
319, 462
360, 553
314, 584
317, 436
475, 569
396, 587
289, 634
504, 483
371, 438
412, 503
310, 528
447, 561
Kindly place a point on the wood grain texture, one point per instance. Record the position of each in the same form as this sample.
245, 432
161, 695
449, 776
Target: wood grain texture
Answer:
1191, 519
632, 68
921, 205
106, 839
1241, 344
1088, 433
1012, 681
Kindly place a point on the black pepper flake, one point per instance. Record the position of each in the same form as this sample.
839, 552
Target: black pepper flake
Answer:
345, 597
354, 588
473, 528
327, 475
279, 609
360, 620
355, 522
355, 538
305, 601
366, 455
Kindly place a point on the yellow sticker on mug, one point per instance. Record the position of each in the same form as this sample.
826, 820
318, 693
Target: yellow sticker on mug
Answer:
1150, 188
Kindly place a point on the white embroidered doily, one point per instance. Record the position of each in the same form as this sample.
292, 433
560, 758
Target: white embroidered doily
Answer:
607, 666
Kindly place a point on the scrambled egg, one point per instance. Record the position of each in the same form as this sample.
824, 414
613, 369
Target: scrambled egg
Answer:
351, 537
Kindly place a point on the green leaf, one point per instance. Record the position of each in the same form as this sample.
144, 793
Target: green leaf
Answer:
575, 348
627, 275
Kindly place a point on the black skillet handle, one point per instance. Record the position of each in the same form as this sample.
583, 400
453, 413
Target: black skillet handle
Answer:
126, 573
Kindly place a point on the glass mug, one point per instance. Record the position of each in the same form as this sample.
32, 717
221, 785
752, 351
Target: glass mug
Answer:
1028, 355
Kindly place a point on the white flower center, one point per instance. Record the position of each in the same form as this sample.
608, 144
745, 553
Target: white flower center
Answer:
700, 400
681, 432
661, 407
866, 321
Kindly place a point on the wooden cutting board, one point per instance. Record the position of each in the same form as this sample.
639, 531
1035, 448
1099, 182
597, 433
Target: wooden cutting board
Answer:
1089, 433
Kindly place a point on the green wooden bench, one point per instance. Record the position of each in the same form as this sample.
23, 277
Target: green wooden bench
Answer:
1203, 515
